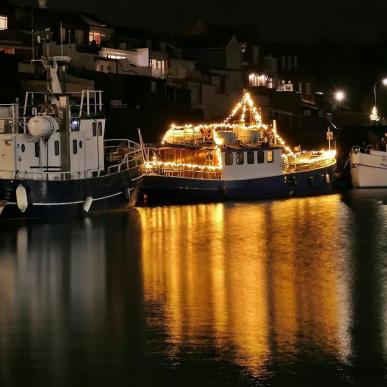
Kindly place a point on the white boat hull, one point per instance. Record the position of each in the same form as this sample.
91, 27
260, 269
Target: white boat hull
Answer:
368, 169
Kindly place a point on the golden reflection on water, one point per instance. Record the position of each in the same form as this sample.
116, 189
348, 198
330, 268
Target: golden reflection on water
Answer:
254, 279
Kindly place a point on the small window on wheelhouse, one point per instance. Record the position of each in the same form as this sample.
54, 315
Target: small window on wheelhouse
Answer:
240, 158
270, 156
100, 128
56, 148
250, 157
37, 149
260, 156
94, 128
229, 158
75, 147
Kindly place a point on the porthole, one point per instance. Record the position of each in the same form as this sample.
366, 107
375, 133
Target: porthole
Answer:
23, 148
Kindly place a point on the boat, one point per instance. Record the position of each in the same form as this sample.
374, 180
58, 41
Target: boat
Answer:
54, 159
368, 166
240, 158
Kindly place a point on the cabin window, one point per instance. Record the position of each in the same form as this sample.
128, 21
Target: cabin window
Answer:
56, 148
37, 149
270, 156
99, 128
23, 148
75, 124
80, 144
3, 23
260, 156
250, 157
75, 147
94, 128
240, 158
229, 158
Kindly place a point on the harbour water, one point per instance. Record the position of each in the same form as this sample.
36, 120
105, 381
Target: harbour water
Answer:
275, 293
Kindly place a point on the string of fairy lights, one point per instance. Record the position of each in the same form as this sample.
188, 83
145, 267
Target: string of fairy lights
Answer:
244, 115
245, 107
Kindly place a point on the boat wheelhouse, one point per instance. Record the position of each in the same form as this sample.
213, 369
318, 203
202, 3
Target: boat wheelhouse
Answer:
54, 159
240, 158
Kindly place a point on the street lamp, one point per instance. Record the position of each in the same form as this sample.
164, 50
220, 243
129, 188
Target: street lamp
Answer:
340, 96
374, 116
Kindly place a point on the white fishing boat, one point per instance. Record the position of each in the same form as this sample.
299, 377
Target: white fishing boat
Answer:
369, 166
54, 160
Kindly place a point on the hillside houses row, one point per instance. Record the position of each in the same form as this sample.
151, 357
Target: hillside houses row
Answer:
206, 67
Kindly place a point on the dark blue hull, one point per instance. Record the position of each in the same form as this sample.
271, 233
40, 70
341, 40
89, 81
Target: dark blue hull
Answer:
50, 198
167, 189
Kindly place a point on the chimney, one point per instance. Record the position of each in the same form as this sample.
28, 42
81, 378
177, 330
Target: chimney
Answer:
42, 4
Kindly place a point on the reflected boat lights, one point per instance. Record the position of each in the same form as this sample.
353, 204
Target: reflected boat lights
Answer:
247, 109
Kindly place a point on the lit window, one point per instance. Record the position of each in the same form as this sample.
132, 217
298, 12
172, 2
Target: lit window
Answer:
269, 156
7, 50
96, 36
3, 23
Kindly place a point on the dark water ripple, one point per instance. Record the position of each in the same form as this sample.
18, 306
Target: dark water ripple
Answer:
282, 293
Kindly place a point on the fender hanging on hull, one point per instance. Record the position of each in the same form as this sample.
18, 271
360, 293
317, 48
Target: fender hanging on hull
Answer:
67, 198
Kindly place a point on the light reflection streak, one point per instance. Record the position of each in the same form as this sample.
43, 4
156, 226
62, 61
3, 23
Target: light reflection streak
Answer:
233, 277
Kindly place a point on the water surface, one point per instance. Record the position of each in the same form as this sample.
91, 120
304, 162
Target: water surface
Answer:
275, 293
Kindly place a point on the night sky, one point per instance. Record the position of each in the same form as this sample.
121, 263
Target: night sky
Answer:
302, 20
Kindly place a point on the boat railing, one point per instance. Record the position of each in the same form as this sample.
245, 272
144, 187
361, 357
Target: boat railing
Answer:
370, 149
189, 173
90, 102
8, 118
126, 153
300, 166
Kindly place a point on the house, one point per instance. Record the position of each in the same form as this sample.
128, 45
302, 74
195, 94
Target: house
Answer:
6, 15
210, 66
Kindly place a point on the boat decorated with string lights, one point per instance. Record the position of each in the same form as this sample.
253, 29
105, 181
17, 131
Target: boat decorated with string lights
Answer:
54, 160
240, 158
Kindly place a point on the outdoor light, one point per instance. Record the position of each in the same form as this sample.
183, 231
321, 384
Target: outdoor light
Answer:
374, 116
339, 95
